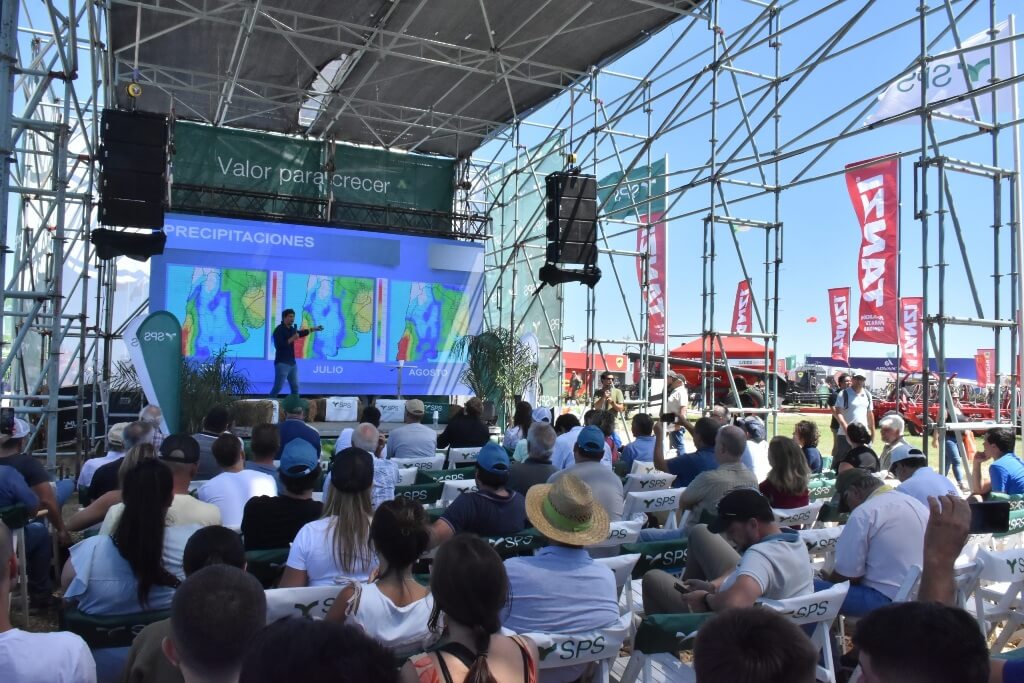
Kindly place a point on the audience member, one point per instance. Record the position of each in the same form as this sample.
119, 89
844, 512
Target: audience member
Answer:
108, 477
470, 588
606, 423
36, 657
270, 522
180, 453
563, 457
98, 509
891, 428
212, 545
753, 645
154, 417
1006, 473
335, 549
852, 404
951, 449
642, 448
138, 567
605, 484
910, 466
215, 615
115, 451
859, 454
883, 538
537, 467
916, 642
806, 435
234, 486
370, 414
266, 447
522, 418
677, 404
757, 446
567, 514
492, 510
774, 563
565, 424
34, 474
385, 472
294, 425
786, 483
687, 467
38, 549
216, 422
297, 649
413, 439
466, 429
393, 608
540, 415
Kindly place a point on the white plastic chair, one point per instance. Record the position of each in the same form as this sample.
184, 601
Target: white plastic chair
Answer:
641, 467
312, 602
622, 566
454, 489
666, 500
808, 514
558, 650
407, 476
821, 545
653, 481
460, 457
998, 597
820, 609
434, 463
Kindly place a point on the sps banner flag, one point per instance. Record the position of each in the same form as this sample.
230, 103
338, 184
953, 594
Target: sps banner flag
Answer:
656, 286
839, 310
911, 334
155, 348
983, 364
743, 309
874, 189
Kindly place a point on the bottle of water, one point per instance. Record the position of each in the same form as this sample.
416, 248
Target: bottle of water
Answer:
437, 416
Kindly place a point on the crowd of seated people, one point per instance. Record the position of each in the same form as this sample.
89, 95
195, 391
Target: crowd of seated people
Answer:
158, 547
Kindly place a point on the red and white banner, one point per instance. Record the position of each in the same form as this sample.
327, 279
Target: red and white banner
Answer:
983, 364
656, 295
911, 334
874, 190
839, 311
743, 309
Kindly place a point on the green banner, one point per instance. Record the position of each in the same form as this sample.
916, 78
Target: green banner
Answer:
267, 164
641, 183
155, 349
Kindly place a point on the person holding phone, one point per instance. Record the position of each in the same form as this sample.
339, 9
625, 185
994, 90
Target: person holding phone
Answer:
284, 338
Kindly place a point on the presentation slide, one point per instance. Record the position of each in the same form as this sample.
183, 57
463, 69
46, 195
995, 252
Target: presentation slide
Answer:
380, 298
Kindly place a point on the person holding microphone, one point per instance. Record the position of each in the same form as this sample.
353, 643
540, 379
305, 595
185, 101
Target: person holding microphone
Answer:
284, 337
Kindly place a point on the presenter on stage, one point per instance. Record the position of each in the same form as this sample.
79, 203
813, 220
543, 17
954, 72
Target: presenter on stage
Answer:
285, 335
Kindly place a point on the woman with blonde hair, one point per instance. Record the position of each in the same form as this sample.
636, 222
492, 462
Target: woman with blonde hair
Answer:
786, 484
335, 549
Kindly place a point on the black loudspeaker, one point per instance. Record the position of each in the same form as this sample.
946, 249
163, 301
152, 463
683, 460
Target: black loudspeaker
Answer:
135, 245
133, 169
572, 229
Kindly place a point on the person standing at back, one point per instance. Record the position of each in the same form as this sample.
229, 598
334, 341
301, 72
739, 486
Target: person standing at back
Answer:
853, 404
284, 338
234, 486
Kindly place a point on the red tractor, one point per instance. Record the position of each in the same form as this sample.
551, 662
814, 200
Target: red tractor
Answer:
907, 399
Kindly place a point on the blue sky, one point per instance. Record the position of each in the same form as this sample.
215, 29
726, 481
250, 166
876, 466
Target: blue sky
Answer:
821, 232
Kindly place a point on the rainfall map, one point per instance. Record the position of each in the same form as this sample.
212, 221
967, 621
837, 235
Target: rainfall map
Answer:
343, 305
425, 328
218, 308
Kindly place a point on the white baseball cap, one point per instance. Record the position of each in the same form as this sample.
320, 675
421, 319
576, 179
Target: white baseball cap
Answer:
21, 429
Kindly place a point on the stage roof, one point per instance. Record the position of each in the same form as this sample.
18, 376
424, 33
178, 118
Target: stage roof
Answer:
437, 76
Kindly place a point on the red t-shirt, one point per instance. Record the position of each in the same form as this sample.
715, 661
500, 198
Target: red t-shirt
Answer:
781, 500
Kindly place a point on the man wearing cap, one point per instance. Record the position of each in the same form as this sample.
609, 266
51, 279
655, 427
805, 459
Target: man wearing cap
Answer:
493, 510
919, 481
234, 486
413, 439
566, 513
891, 429
284, 337
466, 429
603, 482
677, 404
270, 522
772, 562
180, 453
115, 451
853, 404
883, 538
35, 475
294, 425
563, 455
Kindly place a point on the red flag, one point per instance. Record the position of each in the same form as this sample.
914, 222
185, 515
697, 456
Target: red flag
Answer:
839, 310
911, 334
743, 309
874, 190
656, 302
983, 363
812, 319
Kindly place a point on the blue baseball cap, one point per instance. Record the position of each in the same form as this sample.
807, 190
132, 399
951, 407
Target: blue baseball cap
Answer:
298, 459
493, 458
591, 440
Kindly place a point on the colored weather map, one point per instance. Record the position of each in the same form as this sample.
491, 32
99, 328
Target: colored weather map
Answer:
219, 308
427, 326
343, 305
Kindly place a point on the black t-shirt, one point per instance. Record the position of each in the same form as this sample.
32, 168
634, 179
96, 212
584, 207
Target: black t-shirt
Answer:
104, 479
487, 514
284, 351
269, 522
30, 468
464, 431
861, 456
529, 473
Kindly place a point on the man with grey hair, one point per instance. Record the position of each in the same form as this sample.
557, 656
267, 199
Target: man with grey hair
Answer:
385, 472
891, 427
153, 416
106, 477
537, 468
708, 487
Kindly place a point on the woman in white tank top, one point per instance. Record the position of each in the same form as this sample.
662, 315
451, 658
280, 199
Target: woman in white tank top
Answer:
392, 607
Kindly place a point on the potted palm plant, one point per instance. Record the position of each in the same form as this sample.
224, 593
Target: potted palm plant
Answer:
499, 367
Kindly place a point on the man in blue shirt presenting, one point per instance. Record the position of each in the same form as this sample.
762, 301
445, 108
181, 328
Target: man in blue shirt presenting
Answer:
285, 335
1006, 473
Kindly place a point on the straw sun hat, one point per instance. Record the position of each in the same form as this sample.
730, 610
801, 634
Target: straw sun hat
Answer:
567, 512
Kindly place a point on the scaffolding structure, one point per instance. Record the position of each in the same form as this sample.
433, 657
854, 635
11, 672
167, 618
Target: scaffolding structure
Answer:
736, 91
